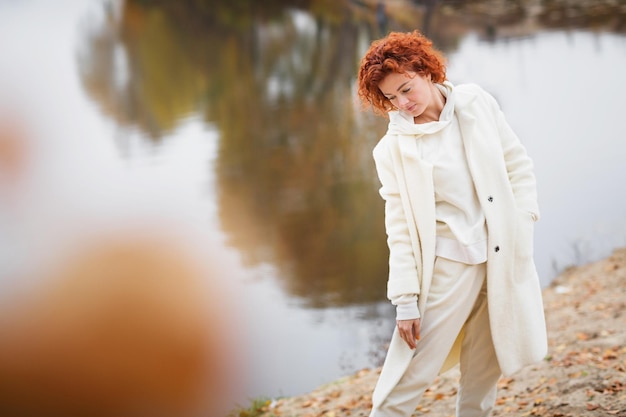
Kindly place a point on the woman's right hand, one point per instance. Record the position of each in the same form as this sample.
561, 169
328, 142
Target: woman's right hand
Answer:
409, 331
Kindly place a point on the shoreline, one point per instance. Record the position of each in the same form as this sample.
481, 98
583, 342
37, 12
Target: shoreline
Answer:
584, 374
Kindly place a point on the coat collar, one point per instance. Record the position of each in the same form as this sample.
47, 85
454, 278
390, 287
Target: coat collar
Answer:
464, 96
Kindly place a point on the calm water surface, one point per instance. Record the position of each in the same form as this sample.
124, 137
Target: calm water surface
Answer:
259, 116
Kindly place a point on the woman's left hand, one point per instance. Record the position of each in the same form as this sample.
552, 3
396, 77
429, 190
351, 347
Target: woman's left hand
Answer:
409, 331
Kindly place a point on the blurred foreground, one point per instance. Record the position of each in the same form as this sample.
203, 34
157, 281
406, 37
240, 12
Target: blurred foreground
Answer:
112, 302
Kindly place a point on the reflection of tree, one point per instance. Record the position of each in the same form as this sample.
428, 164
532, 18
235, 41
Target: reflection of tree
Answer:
294, 160
609, 15
504, 19
157, 84
294, 171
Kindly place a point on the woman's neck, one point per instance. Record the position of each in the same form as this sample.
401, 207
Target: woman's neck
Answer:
434, 109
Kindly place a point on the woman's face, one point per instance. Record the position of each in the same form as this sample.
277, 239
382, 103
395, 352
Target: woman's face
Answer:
410, 92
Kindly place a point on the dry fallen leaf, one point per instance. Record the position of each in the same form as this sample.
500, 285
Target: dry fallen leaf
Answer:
592, 406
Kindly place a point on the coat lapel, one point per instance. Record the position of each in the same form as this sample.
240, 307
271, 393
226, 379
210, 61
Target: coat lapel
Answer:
418, 177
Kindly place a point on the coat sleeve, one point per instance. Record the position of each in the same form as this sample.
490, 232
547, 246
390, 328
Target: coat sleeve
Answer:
519, 166
403, 274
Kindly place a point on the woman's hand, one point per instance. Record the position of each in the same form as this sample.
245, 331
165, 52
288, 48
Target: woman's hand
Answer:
409, 331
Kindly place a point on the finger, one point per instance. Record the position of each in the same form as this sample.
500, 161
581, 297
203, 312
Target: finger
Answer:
416, 329
409, 339
409, 331
404, 334
411, 343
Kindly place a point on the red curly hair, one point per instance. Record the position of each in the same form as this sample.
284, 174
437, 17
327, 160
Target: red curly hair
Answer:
397, 52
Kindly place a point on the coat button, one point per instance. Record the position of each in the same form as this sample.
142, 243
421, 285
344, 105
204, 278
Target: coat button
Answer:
490, 199
497, 249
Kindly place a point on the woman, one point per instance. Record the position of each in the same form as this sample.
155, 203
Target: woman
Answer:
460, 206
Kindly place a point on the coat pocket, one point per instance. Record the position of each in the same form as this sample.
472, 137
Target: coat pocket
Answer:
524, 235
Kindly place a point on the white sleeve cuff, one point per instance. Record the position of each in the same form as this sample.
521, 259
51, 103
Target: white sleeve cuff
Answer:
406, 307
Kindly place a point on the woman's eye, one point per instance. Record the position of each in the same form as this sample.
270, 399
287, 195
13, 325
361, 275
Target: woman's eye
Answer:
406, 90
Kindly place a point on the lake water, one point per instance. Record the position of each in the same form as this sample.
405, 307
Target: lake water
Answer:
259, 117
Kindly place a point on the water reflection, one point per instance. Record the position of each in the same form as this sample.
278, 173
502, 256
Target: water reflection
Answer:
294, 172
294, 167
295, 181
138, 73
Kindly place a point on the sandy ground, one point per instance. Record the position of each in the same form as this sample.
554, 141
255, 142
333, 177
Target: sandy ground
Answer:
583, 375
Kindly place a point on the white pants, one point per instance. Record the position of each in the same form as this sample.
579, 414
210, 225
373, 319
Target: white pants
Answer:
457, 297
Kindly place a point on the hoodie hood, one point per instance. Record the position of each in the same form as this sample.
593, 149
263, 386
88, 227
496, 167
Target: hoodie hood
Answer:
401, 123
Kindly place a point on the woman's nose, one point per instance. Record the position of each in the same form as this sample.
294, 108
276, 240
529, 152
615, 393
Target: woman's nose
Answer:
402, 101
